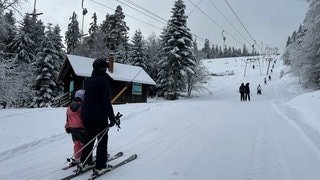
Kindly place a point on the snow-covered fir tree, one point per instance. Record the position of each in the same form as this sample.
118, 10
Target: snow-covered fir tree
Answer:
245, 51
105, 29
57, 43
178, 61
117, 30
45, 72
138, 55
310, 64
163, 80
303, 54
72, 35
123, 51
23, 47
35, 30
206, 48
24, 55
153, 49
8, 29
93, 32
96, 39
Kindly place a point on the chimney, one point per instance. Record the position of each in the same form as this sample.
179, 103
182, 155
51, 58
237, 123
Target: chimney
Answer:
111, 62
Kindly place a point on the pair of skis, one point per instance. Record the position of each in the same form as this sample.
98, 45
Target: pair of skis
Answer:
110, 158
94, 175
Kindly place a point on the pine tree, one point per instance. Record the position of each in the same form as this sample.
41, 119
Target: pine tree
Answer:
123, 51
303, 54
23, 47
38, 34
45, 85
178, 61
10, 29
105, 29
153, 49
57, 43
73, 35
196, 52
164, 76
288, 41
7, 84
35, 30
93, 32
245, 51
138, 55
117, 29
213, 52
206, 48
309, 39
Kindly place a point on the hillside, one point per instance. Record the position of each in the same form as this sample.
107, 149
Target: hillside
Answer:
210, 136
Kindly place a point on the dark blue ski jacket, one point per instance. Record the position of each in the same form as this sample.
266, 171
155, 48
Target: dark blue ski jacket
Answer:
97, 108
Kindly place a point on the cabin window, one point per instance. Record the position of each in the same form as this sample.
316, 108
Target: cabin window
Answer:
136, 88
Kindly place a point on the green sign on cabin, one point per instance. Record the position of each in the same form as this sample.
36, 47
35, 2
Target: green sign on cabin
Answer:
71, 86
136, 88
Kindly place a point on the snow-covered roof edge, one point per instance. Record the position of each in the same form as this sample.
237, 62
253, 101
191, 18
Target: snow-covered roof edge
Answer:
82, 66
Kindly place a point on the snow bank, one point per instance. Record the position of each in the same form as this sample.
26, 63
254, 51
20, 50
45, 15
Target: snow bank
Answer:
308, 104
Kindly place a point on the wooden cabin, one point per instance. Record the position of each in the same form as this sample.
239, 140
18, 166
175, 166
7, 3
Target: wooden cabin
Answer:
76, 68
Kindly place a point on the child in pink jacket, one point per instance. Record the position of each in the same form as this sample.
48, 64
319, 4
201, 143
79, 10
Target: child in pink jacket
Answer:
74, 125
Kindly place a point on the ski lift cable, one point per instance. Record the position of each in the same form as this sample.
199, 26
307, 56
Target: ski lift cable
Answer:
146, 10
141, 11
158, 53
194, 8
214, 22
141, 20
241, 22
126, 15
156, 17
229, 21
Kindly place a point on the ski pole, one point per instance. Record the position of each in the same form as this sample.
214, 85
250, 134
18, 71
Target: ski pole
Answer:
69, 159
94, 147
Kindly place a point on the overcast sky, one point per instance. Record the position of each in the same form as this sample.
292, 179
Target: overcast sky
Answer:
269, 22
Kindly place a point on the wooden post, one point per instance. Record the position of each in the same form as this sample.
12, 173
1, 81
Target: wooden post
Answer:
119, 94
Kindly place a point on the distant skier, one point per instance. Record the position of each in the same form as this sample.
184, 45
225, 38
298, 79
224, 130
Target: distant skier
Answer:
247, 92
259, 90
265, 80
269, 78
242, 91
74, 125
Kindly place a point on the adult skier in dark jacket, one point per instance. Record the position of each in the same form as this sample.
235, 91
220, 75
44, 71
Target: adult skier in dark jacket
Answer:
242, 91
247, 92
96, 111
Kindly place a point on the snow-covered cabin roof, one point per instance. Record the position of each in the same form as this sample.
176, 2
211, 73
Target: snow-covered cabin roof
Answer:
82, 66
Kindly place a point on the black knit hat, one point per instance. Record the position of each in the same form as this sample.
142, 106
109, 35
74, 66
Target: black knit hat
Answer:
100, 64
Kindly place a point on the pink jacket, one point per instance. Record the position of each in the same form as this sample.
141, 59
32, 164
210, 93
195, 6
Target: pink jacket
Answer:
74, 116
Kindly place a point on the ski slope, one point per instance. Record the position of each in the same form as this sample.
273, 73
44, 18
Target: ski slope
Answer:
275, 136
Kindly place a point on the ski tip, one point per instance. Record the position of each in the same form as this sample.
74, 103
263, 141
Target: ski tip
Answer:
120, 153
134, 156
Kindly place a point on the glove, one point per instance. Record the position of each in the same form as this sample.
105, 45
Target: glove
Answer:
112, 122
68, 131
116, 120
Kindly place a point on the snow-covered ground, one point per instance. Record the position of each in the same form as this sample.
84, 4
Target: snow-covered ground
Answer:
275, 136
